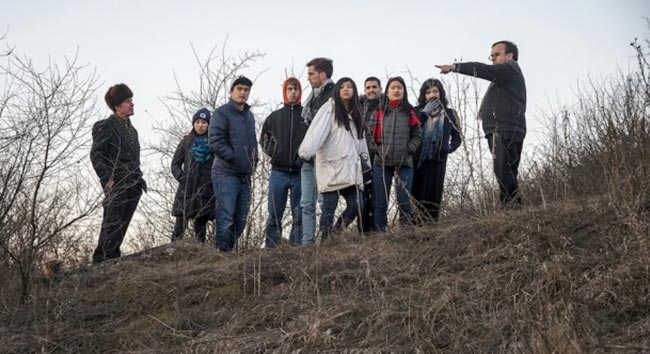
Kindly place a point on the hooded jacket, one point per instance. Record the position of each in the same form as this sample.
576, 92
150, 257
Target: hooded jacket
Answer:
283, 132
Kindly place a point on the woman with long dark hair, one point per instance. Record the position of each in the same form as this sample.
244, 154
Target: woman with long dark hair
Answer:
336, 138
439, 124
396, 137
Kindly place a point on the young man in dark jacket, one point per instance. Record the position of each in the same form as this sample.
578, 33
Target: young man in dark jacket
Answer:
115, 155
503, 112
232, 139
319, 74
281, 136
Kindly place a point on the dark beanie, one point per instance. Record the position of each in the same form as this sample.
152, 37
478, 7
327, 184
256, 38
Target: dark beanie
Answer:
241, 80
202, 113
116, 95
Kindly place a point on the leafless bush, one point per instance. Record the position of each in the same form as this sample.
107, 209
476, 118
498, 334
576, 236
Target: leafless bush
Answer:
600, 147
45, 190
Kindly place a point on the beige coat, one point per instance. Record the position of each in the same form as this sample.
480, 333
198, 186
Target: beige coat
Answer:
336, 149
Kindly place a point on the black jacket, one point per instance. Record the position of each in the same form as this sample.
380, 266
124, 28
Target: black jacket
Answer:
504, 105
114, 156
369, 109
315, 104
281, 136
194, 196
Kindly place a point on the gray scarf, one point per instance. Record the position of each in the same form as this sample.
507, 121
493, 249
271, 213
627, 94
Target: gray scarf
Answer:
315, 92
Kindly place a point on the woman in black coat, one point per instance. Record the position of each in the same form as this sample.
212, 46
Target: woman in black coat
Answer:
439, 124
191, 167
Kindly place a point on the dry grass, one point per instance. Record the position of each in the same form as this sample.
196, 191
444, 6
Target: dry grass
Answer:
572, 279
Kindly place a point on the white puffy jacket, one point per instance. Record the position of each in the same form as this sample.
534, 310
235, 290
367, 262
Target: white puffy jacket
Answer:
337, 151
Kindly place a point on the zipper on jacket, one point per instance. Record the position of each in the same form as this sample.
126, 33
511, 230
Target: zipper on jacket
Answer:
291, 141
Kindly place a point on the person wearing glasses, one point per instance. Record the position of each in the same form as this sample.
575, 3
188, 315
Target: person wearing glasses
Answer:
503, 113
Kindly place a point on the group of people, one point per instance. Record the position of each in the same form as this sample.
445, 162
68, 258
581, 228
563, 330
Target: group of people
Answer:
336, 143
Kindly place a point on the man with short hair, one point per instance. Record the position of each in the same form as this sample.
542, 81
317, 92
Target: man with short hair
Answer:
281, 136
319, 75
115, 155
232, 138
503, 112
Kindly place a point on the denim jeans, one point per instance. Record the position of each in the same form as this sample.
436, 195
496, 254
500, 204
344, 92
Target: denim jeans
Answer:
382, 179
232, 201
353, 206
506, 154
280, 183
308, 199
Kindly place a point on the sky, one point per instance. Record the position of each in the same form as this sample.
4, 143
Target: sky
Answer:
143, 43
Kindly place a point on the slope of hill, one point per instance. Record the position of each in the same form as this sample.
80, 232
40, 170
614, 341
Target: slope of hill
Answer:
569, 279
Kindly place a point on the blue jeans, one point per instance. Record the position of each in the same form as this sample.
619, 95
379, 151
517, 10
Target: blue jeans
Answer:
280, 183
232, 201
382, 179
308, 200
353, 206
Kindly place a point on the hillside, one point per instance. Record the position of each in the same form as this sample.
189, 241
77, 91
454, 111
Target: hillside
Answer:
569, 279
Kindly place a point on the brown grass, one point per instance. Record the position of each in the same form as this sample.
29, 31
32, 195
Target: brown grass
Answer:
572, 279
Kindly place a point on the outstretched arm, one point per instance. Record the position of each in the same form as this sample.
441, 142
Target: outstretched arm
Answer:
447, 68
498, 73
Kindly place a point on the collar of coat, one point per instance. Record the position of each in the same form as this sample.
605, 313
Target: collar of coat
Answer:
234, 106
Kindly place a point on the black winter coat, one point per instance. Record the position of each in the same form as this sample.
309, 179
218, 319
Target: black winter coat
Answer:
114, 156
281, 136
194, 196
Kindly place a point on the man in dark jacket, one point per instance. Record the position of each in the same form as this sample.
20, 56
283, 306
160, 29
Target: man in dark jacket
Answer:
319, 74
232, 139
503, 112
371, 101
282, 134
115, 155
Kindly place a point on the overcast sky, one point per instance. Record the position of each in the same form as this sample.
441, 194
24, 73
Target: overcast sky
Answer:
142, 42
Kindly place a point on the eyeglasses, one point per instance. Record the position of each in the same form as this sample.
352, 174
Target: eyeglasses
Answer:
494, 56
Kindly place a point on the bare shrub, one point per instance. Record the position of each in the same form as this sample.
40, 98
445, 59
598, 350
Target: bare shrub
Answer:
46, 187
600, 147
